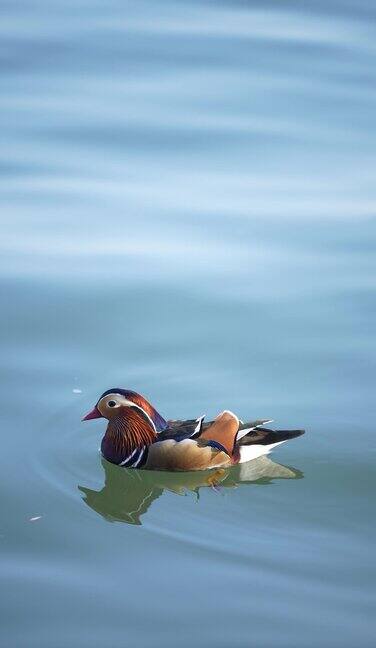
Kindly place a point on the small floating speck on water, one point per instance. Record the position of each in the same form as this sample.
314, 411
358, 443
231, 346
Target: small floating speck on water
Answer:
34, 519
77, 391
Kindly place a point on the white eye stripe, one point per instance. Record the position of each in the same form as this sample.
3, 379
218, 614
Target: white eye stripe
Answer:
121, 401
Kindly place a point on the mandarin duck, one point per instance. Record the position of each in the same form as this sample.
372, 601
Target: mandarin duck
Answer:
137, 436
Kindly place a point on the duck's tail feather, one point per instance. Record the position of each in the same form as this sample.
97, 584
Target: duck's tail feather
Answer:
264, 436
246, 428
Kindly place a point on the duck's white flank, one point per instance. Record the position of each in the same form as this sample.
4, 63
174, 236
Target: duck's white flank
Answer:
249, 452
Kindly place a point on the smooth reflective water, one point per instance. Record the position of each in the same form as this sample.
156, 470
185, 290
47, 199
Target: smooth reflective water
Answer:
188, 205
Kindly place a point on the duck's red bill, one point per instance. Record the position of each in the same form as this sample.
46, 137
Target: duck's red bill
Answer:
95, 413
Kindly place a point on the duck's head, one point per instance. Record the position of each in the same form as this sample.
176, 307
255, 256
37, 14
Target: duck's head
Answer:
116, 402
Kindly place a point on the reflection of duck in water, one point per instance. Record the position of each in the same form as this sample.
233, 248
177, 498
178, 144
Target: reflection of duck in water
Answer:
127, 494
137, 436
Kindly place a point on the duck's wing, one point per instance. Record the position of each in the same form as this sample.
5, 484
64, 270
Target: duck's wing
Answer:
252, 424
192, 448
223, 430
190, 427
179, 430
246, 428
173, 424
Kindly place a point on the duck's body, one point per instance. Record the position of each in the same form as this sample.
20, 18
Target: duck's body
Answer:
137, 436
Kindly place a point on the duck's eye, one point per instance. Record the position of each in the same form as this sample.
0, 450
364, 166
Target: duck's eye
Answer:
111, 403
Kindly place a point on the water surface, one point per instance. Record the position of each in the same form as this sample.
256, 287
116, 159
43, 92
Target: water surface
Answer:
188, 204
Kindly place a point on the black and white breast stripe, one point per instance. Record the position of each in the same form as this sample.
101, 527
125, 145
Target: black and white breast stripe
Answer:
136, 459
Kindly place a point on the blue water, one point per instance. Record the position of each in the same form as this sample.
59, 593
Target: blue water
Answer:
188, 205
